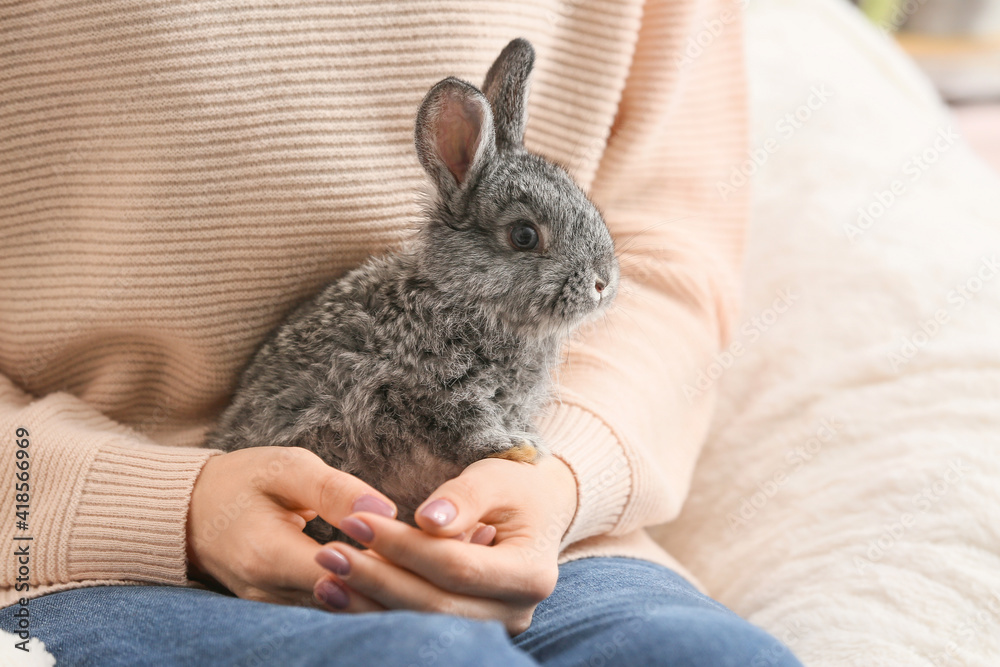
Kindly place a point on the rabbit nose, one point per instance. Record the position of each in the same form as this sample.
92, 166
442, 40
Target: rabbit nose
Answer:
599, 285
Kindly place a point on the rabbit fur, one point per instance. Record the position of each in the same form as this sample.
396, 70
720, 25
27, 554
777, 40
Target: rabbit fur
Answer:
420, 362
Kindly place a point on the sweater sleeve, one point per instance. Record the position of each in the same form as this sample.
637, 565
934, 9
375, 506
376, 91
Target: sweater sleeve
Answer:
103, 503
634, 405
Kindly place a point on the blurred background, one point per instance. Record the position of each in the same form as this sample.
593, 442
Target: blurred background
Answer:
957, 43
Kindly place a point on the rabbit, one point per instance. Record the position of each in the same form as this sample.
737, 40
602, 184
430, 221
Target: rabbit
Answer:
422, 361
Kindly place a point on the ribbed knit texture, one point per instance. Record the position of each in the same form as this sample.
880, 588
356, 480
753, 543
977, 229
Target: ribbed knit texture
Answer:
175, 177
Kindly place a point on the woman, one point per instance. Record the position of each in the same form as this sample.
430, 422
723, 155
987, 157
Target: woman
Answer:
178, 177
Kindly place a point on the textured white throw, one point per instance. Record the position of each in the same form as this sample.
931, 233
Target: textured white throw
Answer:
34, 656
848, 499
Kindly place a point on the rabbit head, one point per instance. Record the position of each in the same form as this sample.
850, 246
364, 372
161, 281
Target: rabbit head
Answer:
508, 231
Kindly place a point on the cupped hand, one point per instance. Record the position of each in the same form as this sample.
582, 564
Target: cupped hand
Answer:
248, 509
530, 507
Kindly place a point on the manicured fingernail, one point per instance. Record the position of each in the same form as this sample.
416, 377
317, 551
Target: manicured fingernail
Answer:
334, 561
484, 535
440, 511
367, 503
332, 595
356, 529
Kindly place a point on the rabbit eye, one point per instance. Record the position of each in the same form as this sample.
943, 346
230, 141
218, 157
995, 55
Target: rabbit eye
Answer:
524, 236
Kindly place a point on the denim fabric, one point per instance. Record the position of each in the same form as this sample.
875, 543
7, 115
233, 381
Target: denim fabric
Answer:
621, 611
604, 611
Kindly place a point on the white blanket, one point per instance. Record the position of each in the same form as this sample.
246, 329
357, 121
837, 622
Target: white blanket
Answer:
848, 499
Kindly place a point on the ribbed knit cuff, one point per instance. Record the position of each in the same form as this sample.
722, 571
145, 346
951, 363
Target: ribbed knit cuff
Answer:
598, 462
106, 504
132, 515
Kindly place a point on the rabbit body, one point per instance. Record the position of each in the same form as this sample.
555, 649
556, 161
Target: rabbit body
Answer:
423, 361
385, 377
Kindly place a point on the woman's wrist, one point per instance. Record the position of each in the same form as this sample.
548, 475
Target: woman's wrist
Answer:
563, 492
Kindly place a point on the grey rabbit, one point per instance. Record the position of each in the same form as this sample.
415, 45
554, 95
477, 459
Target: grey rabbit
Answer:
420, 362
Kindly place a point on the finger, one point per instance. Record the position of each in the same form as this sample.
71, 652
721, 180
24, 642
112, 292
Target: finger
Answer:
483, 535
508, 571
395, 588
285, 565
461, 503
306, 514
301, 480
333, 594
295, 575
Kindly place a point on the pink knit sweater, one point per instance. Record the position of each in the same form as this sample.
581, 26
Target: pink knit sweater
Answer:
175, 177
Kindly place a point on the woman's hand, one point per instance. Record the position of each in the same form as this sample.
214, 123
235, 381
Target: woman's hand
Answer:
248, 509
530, 506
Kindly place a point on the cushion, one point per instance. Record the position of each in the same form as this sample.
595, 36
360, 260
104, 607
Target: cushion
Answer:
847, 498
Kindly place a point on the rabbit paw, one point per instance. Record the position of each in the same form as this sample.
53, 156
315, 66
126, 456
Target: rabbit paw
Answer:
523, 449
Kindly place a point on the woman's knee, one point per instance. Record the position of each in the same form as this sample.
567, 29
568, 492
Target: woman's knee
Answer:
704, 636
616, 611
413, 639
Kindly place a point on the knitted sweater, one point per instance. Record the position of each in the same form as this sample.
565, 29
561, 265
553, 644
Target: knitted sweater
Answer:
176, 177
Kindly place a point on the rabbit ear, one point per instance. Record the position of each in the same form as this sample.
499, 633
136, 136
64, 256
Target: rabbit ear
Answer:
454, 134
506, 87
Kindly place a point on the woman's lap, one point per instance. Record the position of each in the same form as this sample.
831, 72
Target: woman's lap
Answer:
108, 626
604, 611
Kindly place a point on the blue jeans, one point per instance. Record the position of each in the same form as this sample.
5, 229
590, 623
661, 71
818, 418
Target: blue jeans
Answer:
604, 611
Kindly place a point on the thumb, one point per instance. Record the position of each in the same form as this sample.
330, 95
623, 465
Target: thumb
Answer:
302, 481
460, 504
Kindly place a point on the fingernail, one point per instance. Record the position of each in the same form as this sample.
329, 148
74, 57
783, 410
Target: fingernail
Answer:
332, 595
484, 535
357, 529
440, 511
368, 503
334, 561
